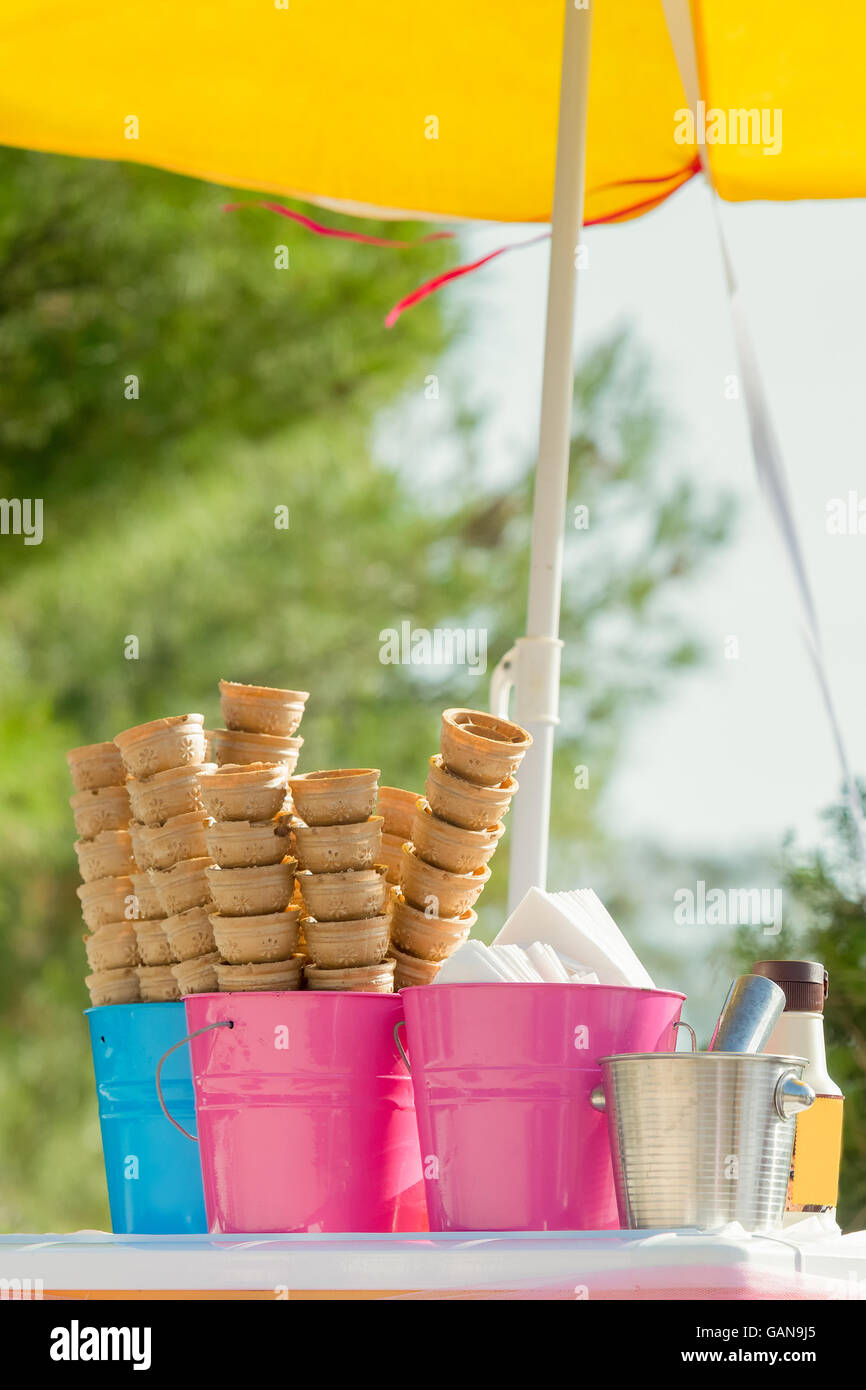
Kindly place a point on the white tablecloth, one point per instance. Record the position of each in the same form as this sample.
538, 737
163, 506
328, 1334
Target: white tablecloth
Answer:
810, 1258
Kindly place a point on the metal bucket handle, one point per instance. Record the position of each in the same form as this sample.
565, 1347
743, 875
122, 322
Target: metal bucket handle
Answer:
164, 1058
791, 1095
397, 1026
678, 1023
596, 1095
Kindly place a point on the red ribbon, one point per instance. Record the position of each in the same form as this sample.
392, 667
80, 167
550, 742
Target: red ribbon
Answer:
321, 230
431, 286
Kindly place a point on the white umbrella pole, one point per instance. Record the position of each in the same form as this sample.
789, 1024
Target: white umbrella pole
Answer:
536, 656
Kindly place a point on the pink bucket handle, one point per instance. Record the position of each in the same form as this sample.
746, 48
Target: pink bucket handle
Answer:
225, 1023
397, 1027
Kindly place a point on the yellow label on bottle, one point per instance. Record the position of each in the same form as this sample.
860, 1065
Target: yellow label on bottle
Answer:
817, 1155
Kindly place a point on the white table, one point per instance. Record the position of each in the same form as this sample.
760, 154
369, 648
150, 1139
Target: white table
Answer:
810, 1258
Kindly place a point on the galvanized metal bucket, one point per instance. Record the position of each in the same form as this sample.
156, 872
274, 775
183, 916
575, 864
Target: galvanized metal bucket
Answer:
701, 1138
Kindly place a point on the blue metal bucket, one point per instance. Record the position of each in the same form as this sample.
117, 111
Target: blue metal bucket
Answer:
153, 1172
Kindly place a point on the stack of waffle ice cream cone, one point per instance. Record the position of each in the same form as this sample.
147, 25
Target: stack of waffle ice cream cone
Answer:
261, 725
397, 809
101, 811
164, 759
454, 833
252, 875
337, 841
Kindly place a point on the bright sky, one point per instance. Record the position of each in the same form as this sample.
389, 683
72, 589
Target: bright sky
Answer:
742, 750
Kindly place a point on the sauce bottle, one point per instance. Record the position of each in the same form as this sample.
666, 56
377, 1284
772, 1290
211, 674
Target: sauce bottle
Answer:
814, 1184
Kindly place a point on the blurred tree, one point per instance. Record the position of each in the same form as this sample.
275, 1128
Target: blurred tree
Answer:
257, 389
828, 924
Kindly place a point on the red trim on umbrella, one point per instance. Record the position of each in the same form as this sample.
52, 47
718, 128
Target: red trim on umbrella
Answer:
678, 176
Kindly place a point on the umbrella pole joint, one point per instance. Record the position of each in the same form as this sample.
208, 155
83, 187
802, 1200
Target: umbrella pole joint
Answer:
531, 669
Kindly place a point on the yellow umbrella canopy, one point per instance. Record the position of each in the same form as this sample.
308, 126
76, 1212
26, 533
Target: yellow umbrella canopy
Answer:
458, 110
445, 110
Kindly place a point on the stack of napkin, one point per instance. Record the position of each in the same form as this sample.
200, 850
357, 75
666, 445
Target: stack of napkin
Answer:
557, 937
475, 963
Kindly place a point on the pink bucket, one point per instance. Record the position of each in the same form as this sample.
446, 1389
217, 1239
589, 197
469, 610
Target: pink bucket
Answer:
502, 1075
305, 1114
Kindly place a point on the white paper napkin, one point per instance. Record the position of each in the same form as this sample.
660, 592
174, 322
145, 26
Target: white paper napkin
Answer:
578, 926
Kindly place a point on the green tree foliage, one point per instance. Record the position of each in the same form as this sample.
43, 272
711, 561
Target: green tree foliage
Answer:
826, 886
259, 388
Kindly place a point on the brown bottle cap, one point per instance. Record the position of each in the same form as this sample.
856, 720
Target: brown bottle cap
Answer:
805, 982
